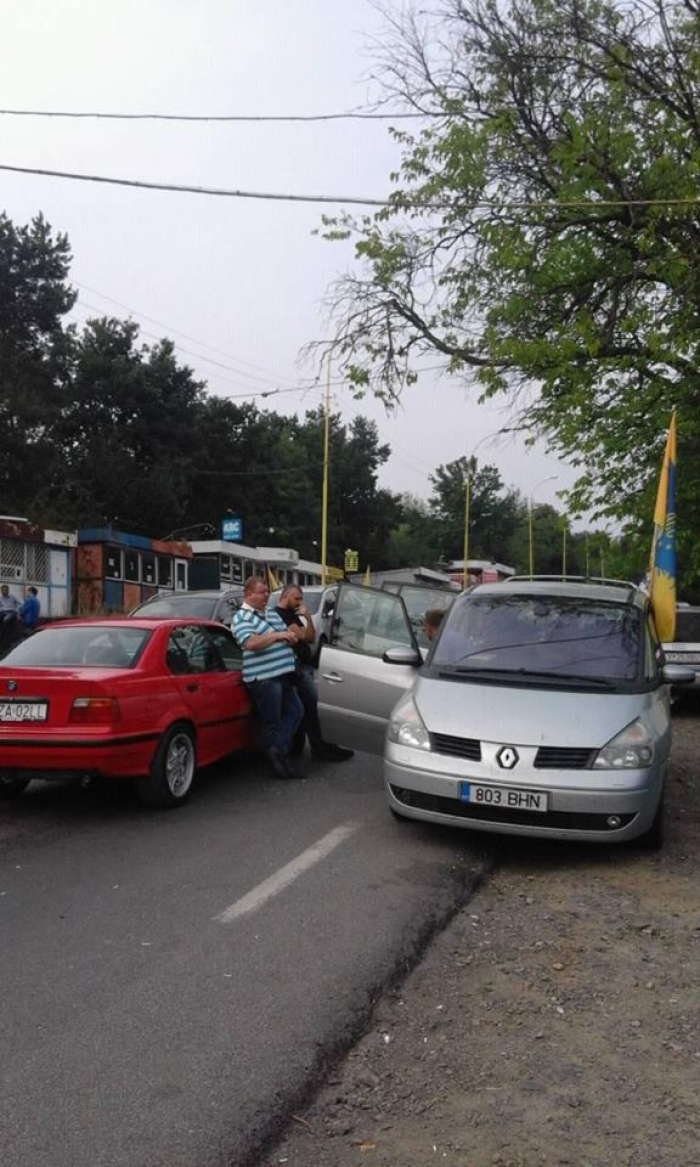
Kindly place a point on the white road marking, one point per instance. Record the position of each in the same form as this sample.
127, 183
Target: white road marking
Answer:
286, 875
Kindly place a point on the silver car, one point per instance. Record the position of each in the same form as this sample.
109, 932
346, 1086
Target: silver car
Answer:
542, 708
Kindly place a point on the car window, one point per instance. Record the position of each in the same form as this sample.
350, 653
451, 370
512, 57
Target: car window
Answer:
191, 649
229, 649
418, 600
370, 621
687, 625
198, 607
225, 609
80, 645
547, 634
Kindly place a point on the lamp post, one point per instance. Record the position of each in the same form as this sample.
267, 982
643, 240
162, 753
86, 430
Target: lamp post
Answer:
550, 478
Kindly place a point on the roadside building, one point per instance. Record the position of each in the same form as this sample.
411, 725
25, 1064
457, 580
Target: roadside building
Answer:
219, 562
38, 557
115, 571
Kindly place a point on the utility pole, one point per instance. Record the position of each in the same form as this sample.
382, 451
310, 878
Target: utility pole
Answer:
324, 503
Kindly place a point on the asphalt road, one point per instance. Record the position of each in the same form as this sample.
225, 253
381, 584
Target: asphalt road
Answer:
175, 984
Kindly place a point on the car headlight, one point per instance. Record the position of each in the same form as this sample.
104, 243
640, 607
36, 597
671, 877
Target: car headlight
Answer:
632, 749
406, 726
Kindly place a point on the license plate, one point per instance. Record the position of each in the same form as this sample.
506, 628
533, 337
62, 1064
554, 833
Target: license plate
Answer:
683, 658
23, 710
508, 797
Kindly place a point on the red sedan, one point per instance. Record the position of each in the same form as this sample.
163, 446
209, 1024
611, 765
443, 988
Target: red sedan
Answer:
145, 699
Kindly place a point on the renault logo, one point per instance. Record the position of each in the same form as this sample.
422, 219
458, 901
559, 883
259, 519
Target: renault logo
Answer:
507, 758
11, 685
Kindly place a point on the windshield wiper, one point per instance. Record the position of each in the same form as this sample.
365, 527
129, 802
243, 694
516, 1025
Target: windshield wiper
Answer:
527, 674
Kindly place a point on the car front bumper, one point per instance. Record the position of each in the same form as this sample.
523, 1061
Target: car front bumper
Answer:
582, 805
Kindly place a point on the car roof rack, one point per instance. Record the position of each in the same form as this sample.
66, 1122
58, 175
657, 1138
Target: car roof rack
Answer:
585, 579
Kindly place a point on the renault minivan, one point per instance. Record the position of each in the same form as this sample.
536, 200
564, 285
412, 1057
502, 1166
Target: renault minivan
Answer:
542, 707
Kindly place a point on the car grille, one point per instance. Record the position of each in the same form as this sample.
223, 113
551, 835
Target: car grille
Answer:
494, 814
457, 747
564, 758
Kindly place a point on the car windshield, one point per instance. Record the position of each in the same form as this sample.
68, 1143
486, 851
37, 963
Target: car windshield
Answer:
543, 636
198, 607
71, 645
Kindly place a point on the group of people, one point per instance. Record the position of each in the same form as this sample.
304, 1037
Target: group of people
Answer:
23, 612
278, 673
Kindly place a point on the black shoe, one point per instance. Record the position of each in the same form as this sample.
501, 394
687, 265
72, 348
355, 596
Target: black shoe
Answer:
277, 763
290, 772
327, 752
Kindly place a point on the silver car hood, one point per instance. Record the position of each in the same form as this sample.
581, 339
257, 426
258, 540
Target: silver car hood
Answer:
514, 714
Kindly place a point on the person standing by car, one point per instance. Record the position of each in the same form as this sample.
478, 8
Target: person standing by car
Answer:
29, 611
432, 620
9, 605
269, 668
292, 610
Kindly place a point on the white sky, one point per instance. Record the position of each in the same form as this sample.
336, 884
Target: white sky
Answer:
245, 278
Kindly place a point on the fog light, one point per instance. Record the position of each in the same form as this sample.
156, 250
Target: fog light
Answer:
613, 821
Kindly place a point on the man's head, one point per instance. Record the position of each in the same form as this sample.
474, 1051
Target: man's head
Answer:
291, 597
256, 592
32, 591
4, 590
431, 622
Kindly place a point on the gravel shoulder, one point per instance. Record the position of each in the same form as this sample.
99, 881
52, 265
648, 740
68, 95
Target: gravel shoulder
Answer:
554, 1022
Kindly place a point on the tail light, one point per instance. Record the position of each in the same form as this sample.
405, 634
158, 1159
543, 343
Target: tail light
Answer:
94, 711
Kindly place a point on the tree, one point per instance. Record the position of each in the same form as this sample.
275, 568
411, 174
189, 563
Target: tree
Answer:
493, 517
543, 236
34, 353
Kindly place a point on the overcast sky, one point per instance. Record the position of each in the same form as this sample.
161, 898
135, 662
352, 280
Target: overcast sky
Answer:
238, 284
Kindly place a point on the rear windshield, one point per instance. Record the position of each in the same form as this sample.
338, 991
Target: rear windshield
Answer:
198, 607
70, 646
553, 636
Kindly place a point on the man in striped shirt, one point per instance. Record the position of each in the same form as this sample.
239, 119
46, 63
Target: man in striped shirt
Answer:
269, 668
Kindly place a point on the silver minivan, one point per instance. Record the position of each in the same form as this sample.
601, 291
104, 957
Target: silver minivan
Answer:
542, 707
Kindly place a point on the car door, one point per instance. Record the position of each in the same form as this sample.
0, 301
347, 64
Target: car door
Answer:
357, 688
205, 686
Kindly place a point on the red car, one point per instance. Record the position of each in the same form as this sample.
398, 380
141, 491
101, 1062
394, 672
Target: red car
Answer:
145, 699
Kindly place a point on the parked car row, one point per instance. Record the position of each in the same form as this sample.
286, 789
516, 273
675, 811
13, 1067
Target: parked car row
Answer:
541, 707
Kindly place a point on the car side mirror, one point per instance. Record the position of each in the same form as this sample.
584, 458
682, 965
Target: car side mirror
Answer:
402, 656
677, 675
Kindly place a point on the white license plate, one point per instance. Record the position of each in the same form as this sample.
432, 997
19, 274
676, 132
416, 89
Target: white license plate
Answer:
683, 658
508, 797
23, 710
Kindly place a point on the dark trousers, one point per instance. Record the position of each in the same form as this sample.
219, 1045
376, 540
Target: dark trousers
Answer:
306, 686
279, 711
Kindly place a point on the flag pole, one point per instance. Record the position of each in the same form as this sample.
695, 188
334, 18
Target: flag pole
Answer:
324, 504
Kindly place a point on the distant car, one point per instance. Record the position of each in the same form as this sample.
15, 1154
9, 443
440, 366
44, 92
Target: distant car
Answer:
684, 649
320, 601
201, 605
150, 700
542, 708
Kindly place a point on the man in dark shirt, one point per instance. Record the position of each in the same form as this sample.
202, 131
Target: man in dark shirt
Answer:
292, 610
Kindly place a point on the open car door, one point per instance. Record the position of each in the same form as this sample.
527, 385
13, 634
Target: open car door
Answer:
357, 686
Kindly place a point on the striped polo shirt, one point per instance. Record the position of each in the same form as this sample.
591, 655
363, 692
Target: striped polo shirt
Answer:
273, 661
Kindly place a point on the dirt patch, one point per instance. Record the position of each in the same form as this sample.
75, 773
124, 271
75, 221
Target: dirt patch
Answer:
554, 1022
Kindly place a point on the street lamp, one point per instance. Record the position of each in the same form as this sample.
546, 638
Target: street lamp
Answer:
537, 485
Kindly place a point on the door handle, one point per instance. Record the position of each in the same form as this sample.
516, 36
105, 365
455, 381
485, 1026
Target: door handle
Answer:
192, 687
335, 677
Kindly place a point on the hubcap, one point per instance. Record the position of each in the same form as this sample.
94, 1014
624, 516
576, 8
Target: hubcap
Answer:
180, 765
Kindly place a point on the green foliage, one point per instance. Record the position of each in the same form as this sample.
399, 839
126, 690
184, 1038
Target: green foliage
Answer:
543, 236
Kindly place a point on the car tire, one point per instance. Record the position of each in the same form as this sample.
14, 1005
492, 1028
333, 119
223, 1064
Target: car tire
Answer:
173, 769
653, 839
12, 784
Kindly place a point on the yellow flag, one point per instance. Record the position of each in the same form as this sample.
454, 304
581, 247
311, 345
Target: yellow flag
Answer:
272, 581
367, 581
662, 566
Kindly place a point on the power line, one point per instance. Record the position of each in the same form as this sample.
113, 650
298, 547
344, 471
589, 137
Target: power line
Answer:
350, 115
221, 192
358, 200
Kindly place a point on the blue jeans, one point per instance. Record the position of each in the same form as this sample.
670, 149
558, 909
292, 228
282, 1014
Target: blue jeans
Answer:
279, 710
306, 685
